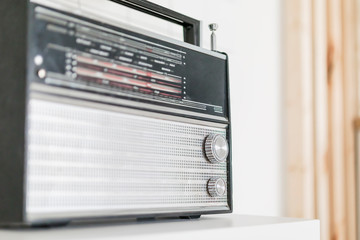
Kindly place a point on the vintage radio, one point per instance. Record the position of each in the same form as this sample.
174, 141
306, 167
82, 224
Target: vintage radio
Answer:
100, 120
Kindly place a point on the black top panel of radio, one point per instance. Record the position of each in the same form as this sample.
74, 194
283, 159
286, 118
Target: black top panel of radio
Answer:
78, 53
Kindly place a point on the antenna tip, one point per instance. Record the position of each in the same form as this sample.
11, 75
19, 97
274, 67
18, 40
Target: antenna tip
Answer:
213, 26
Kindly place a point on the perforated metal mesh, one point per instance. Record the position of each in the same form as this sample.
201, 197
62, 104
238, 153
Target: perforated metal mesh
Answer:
84, 159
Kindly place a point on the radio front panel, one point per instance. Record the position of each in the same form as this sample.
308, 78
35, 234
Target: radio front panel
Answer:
79, 53
107, 121
84, 160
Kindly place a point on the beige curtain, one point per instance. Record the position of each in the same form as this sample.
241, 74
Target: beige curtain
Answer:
320, 89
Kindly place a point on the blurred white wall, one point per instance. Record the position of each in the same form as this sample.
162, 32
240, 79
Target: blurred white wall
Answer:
249, 31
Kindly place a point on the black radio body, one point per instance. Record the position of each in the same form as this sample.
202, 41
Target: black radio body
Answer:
100, 120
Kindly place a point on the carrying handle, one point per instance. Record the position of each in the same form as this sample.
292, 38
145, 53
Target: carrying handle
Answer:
191, 26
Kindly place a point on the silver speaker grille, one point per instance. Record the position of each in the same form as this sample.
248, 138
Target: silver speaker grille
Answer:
83, 160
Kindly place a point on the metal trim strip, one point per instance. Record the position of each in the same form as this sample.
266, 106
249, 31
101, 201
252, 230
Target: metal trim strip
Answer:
33, 217
49, 93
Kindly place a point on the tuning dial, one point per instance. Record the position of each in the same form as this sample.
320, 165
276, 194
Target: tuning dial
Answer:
216, 148
216, 187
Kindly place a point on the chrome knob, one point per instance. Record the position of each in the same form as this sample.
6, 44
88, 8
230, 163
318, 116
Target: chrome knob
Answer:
216, 148
216, 187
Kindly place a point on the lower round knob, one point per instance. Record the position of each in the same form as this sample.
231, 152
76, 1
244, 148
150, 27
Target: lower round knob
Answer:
216, 187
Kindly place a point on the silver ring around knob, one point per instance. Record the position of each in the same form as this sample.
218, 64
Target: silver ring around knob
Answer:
216, 187
216, 148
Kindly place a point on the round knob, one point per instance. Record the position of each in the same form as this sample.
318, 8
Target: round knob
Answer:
41, 73
216, 148
216, 187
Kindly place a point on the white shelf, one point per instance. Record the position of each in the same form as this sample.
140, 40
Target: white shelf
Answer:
220, 227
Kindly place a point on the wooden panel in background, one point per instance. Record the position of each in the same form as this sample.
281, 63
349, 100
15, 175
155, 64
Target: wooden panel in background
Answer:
351, 83
321, 125
320, 83
298, 108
